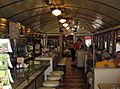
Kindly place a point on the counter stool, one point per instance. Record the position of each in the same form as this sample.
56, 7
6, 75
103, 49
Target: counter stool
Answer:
59, 73
54, 77
51, 84
46, 88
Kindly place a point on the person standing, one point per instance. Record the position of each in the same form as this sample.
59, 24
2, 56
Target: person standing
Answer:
75, 46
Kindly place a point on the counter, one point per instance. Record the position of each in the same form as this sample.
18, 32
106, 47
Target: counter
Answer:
53, 62
31, 77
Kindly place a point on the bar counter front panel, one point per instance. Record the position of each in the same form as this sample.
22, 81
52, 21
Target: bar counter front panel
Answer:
30, 77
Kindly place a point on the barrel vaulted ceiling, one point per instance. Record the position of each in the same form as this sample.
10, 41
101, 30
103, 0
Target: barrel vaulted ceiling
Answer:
89, 15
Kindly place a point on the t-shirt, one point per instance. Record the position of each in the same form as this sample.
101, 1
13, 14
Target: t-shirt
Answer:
76, 46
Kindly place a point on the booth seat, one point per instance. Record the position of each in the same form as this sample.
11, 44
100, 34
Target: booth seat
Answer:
105, 76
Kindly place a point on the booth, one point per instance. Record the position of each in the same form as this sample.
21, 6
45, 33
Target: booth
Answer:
104, 76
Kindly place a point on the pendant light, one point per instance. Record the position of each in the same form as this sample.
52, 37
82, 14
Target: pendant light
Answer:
56, 12
62, 20
65, 24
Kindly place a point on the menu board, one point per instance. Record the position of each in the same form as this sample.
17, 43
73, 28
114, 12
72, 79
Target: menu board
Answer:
5, 76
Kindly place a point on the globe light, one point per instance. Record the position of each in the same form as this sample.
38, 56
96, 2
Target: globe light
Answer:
72, 33
67, 28
65, 24
62, 20
56, 12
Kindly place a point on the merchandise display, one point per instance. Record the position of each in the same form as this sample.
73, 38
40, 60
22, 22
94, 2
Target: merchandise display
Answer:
5, 75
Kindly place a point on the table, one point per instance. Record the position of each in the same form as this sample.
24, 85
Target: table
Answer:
109, 86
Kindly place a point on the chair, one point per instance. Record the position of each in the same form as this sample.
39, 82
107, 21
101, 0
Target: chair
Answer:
54, 77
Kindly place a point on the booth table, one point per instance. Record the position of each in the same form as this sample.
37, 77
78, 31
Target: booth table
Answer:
109, 86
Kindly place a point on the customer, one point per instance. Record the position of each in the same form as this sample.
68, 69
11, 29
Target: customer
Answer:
105, 54
75, 46
98, 56
117, 59
105, 63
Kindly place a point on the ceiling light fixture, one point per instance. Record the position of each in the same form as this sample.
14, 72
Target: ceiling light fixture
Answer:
56, 12
3, 20
65, 24
67, 28
72, 33
62, 20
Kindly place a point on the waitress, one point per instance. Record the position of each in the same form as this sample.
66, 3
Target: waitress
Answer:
75, 46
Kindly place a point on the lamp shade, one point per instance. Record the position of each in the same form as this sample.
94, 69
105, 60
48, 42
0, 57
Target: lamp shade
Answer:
65, 24
62, 20
56, 12
67, 27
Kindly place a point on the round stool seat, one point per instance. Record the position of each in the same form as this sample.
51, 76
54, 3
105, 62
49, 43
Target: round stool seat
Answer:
50, 83
46, 88
57, 73
54, 77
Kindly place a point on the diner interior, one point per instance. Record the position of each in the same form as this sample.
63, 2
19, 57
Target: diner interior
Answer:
36, 37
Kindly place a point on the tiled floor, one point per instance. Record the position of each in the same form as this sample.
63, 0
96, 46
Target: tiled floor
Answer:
74, 78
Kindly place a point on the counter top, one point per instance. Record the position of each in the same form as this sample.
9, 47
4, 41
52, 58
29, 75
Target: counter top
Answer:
27, 74
46, 57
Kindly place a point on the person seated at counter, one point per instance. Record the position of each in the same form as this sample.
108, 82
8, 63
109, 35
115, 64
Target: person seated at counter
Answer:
116, 60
